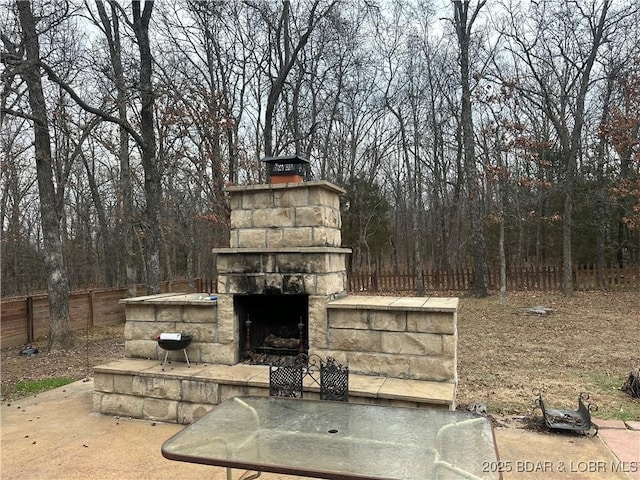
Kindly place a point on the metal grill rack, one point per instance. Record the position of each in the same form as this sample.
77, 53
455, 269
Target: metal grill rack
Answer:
561, 419
172, 342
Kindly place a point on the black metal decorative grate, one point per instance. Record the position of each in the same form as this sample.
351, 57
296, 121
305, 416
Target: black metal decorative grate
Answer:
334, 381
286, 377
285, 380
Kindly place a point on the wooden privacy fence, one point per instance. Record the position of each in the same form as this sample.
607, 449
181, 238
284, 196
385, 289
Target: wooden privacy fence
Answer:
25, 319
545, 278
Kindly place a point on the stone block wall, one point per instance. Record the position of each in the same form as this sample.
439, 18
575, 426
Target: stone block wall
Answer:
409, 338
303, 214
215, 338
139, 389
307, 270
285, 239
397, 337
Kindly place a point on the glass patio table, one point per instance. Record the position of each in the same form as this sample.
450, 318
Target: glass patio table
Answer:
338, 440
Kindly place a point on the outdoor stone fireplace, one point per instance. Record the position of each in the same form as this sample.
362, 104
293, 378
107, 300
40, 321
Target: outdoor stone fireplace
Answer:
282, 289
284, 264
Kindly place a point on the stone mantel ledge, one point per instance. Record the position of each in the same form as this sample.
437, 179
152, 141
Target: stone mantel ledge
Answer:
280, 250
416, 304
198, 299
287, 186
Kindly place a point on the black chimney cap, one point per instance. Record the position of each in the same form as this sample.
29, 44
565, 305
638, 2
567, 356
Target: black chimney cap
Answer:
286, 169
286, 159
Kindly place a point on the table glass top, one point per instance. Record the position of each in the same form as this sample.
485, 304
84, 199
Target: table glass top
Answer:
338, 440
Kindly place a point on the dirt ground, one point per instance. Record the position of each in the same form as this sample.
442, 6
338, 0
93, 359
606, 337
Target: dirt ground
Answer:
587, 343
98, 346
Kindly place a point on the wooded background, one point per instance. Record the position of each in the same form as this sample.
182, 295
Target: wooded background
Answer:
466, 134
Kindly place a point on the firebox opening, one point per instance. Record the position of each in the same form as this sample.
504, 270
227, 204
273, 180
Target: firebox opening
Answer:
272, 326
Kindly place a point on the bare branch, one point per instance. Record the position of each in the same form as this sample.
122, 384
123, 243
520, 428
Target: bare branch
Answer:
85, 106
17, 113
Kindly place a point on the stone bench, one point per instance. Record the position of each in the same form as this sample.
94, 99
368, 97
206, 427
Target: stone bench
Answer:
139, 388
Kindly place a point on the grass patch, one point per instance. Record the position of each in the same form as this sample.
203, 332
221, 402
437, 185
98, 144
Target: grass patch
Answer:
620, 406
604, 382
32, 387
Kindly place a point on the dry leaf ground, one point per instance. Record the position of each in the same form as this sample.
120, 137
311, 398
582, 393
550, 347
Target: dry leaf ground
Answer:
588, 343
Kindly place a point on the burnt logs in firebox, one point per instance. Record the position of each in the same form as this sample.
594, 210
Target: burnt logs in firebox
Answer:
273, 345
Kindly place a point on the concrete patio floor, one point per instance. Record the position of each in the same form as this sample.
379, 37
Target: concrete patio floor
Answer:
56, 435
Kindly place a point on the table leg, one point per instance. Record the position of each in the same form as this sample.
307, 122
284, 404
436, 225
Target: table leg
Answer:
247, 475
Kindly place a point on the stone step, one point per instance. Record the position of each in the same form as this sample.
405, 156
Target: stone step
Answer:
181, 394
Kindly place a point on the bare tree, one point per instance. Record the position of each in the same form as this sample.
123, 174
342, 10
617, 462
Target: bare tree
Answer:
21, 263
152, 176
111, 29
145, 138
287, 49
463, 21
600, 152
51, 209
560, 55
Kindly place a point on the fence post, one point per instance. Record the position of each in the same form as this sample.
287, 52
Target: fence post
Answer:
92, 307
30, 332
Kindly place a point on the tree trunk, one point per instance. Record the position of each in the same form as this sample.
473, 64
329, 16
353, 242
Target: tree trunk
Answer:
598, 32
567, 255
152, 175
503, 265
474, 193
109, 244
61, 336
127, 231
601, 191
